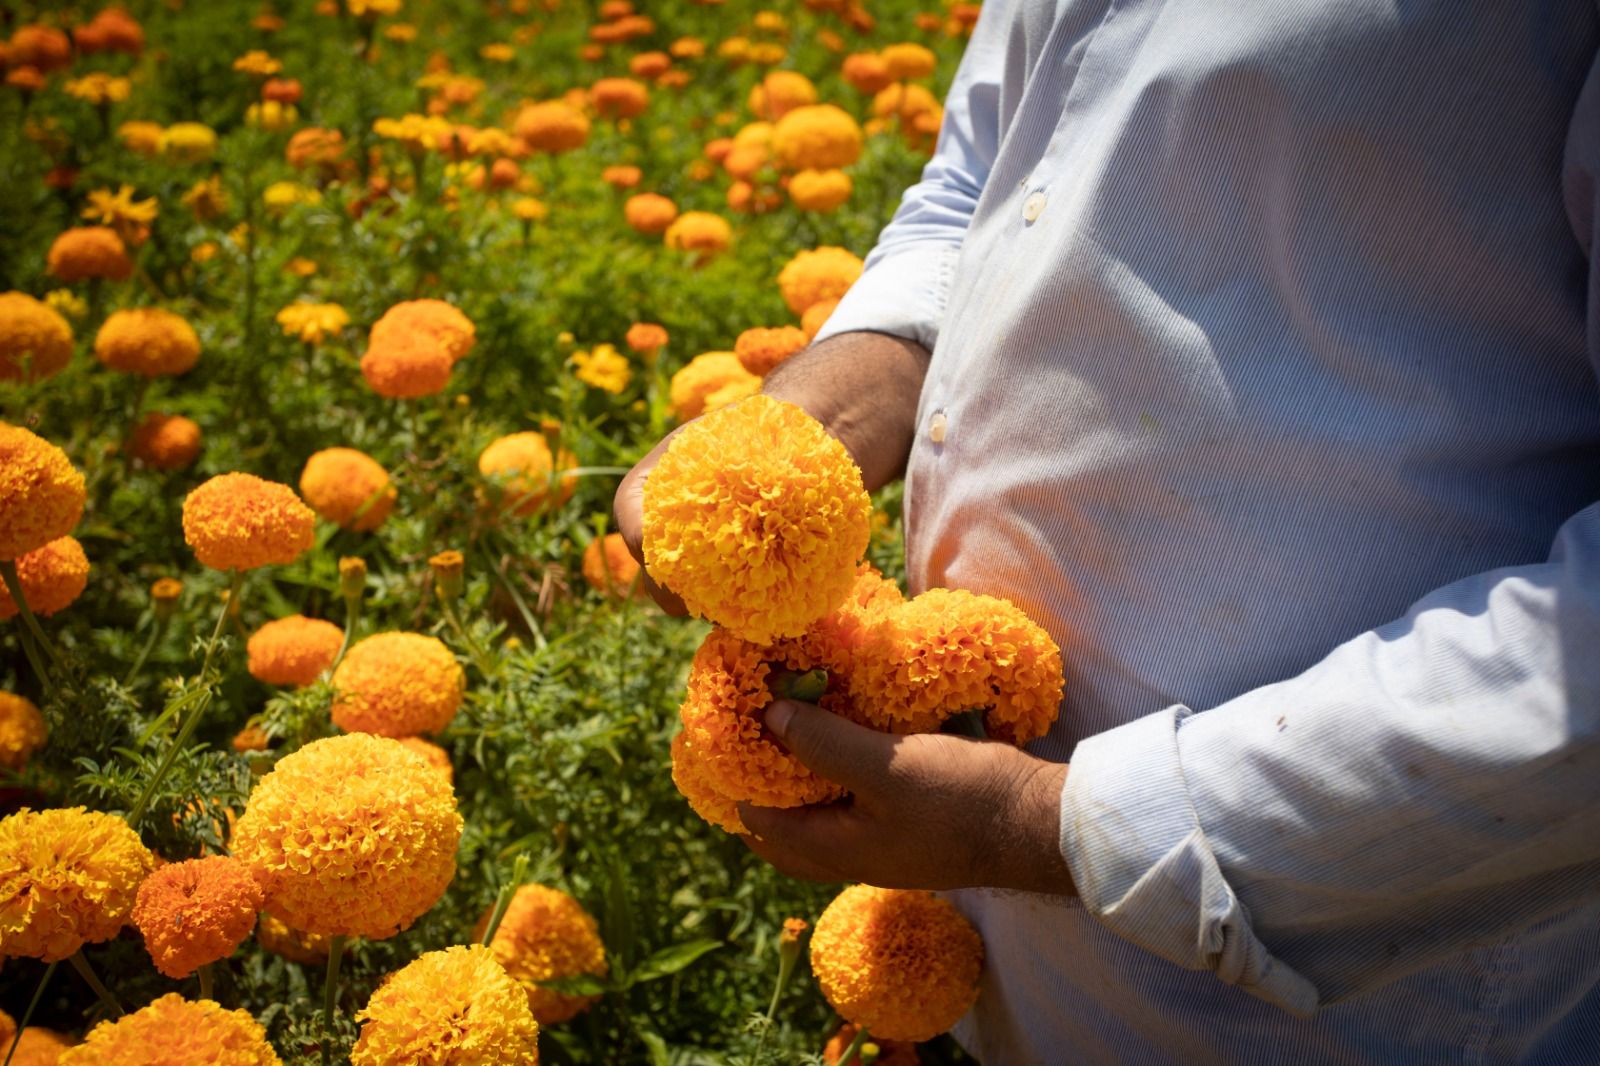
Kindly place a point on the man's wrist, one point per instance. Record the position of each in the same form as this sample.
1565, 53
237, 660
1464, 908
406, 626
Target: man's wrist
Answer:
1027, 852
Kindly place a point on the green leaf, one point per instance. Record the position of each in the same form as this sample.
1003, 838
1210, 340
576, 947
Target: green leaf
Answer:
582, 984
669, 961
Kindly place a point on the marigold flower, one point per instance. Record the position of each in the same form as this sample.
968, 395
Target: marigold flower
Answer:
904, 102
701, 378
603, 368
820, 190
761, 350
174, 1031
434, 319
257, 63
41, 495
189, 142
141, 138
42, 47
701, 232
816, 316
546, 934
904, 964
908, 60
621, 177
820, 137
165, 442
240, 522
281, 90
251, 738
397, 685
38, 1046
890, 1052
744, 161
293, 651
280, 196
610, 569
646, 338
552, 126
416, 133
348, 487
274, 116
196, 912
164, 593
207, 198
522, 463
147, 341
867, 72
779, 93
819, 274
308, 949
649, 64
52, 577
352, 836
649, 213
452, 1006
27, 80
315, 147
35, 341
619, 97
756, 517
406, 366
312, 323
98, 88
86, 252
22, 731
435, 756
529, 209
687, 48
68, 877
690, 775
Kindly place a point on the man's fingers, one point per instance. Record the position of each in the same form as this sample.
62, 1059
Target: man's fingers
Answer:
835, 748
792, 839
627, 508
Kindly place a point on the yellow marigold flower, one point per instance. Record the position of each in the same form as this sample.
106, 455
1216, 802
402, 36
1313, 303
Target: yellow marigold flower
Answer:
529, 209
147, 341
66, 302
435, 319
239, 522
732, 392
397, 685
820, 137
204, 252
816, 316
257, 63
779, 93
702, 376
189, 142
67, 878
353, 836
866, 72
552, 126
687, 48
646, 338
761, 350
99, 88
904, 964
165, 442
140, 138
196, 912
22, 731
166, 590
348, 487
701, 232
86, 252
435, 756
498, 52
131, 219
39, 1047
207, 198
373, 8
417, 133
906, 61
491, 141
407, 366
546, 934
603, 368
767, 53
174, 1031
820, 190
301, 267
280, 196
452, 1006
904, 102
35, 341
890, 1052
274, 116
308, 949
649, 213
610, 569
523, 465
819, 274
315, 147
41, 495
312, 323
52, 577
293, 650
756, 517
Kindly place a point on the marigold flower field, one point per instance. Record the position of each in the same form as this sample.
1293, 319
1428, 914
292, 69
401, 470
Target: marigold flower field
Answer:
334, 724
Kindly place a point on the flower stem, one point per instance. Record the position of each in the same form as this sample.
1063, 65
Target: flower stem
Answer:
502, 902
205, 983
852, 1054
8, 571
144, 654
27, 1015
330, 995
37, 663
81, 964
484, 664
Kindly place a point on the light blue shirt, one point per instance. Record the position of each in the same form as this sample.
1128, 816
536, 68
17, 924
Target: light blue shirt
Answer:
1265, 346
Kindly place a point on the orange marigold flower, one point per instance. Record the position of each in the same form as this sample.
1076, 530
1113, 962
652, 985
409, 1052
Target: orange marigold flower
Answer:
701, 232
52, 577
687, 48
779, 93
35, 341
308, 949
610, 569
452, 1006
904, 964
761, 350
649, 64
41, 495
819, 274
147, 341
39, 1047
112, 30
258, 63
281, 90
352, 835
68, 877
22, 731
165, 442
649, 212
523, 466
646, 338
890, 1052
348, 487
397, 685
619, 97
690, 775
816, 316
85, 252
546, 934
820, 190
756, 516
621, 177
315, 147
406, 366
867, 72
250, 739
239, 522
703, 377
42, 47
174, 1031
552, 126
744, 161
434, 319
905, 102
196, 912
820, 137
293, 651
908, 60
436, 756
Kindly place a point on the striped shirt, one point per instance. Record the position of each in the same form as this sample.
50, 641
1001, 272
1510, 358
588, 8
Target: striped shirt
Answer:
1264, 373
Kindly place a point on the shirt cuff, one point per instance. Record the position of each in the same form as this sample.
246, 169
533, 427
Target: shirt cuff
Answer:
1143, 867
903, 293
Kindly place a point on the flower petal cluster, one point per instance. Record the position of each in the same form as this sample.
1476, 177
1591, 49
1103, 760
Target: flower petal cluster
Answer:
818, 136
68, 877
348, 487
610, 569
239, 522
603, 367
35, 341
173, 1031
552, 126
756, 516
41, 495
436, 756
189, 142
908, 60
890, 1052
442, 322
312, 323
86, 252
902, 963
455, 1007
165, 442
52, 577
820, 190
308, 949
411, 349
293, 650
699, 231
760, 350
523, 466
819, 274
547, 934
22, 730
196, 912
711, 374
816, 316
781, 92
39, 1047
397, 685
351, 836
649, 213
147, 341
619, 97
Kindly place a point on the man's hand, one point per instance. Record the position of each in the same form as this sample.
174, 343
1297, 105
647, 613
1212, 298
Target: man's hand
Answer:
925, 811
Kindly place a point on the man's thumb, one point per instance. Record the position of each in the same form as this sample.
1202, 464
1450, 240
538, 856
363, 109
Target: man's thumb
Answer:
833, 747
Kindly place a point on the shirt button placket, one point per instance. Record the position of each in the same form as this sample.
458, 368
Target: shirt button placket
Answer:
936, 427
1033, 206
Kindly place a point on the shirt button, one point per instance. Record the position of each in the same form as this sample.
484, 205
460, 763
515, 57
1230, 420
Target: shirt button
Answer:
1033, 206
936, 427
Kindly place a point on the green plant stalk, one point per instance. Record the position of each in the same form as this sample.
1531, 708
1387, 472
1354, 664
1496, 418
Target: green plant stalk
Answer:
8, 570
330, 995
38, 664
522, 607
786, 964
144, 653
81, 964
205, 983
352, 619
502, 901
852, 1053
485, 666
27, 1015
